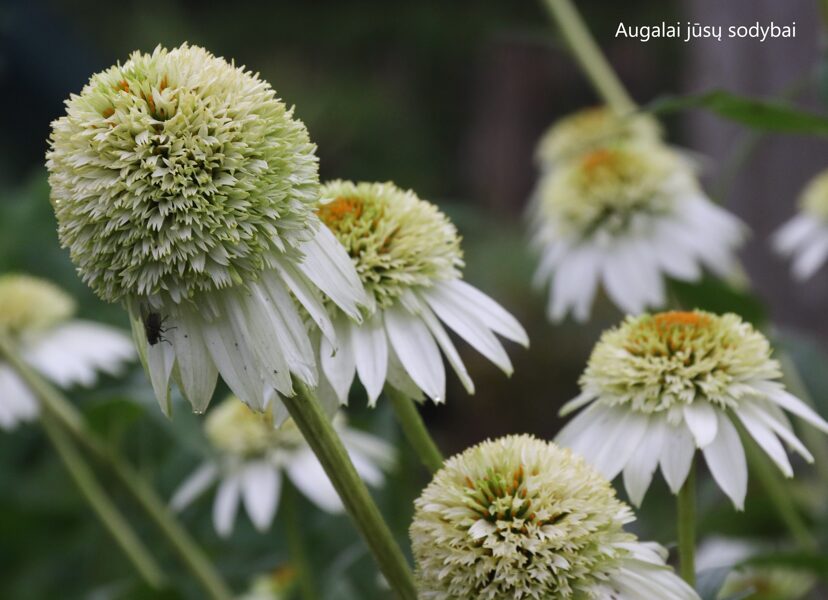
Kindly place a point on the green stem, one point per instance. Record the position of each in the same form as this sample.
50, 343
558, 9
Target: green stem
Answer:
589, 55
296, 543
109, 515
56, 405
414, 429
325, 443
686, 504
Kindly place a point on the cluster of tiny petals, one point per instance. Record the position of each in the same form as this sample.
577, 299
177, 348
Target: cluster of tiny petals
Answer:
814, 200
607, 187
396, 240
653, 363
593, 128
176, 173
29, 304
233, 428
517, 517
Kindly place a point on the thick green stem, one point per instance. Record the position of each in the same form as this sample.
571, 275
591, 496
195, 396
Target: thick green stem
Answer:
296, 543
414, 429
325, 443
686, 504
109, 515
68, 416
589, 55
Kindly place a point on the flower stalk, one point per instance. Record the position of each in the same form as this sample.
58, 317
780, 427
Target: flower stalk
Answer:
589, 55
414, 429
305, 410
117, 525
686, 516
57, 406
296, 544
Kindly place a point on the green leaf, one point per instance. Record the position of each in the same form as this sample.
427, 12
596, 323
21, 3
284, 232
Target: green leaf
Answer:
762, 115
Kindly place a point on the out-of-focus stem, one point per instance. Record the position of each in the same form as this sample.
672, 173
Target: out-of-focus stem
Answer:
686, 515
296, 543
414, 429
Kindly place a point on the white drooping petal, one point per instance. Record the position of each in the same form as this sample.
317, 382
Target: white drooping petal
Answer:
677, 455
17, 402
766, 439
330, 268
195, 485
260, 486
581, 424
701, 419
621, 440
772, 416
579, 401
399, 378
447, 346
809, 259
494, 316
309, 478
307, 295
795, 406
725, 458
639, 470
195, 371
417, 351
574, 284
372, 448
369, 345
621, 279
160, 359
226, 504
339, 364
796, 233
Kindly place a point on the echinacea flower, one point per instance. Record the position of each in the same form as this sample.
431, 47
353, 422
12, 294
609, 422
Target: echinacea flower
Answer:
185, 189
251, 455
590, 129
518, 517
660, 386
37, 317
624, 216
407, 254
805, 237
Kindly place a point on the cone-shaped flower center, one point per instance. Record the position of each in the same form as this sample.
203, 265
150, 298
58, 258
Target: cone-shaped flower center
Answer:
396, 239
607, 187
655, 362
516, 518
178, 172
235, 429
815, 197
29, 304
591, 128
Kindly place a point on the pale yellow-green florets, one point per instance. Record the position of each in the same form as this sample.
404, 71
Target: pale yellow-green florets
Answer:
397, 240
29, 304
814, 199
592, 128
234, 428
652, 363
176, 173
517, 517
610, 186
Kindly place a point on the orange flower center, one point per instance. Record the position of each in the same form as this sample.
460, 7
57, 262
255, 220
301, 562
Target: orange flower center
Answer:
334, 212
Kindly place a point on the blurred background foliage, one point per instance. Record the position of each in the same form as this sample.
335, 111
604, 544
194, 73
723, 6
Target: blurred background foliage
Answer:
447, 98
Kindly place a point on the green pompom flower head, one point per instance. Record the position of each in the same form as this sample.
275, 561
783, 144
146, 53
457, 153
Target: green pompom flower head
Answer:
176, 173
29, 305
518, 517
397, 240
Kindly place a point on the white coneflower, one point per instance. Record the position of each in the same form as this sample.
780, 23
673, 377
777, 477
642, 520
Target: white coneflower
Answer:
251, 456
660, 386
624, 216
185, 189
37, 316
590, 129
805, 237
518, 517
407, 254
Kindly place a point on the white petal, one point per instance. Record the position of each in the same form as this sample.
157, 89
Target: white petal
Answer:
447, 346
797, 232
487, 310
160, 358
811, 258
571, 433
582, 399
776, 420
226, 505
194, 486
369, 346
638, 473
726, 460
195, 372
417, 351
797, 407
309, 478
398, 377
677, 456
17, 403
308, 296
765, 438
574, 284
701, 419
621, 441
261, 485
339, 365
622, 281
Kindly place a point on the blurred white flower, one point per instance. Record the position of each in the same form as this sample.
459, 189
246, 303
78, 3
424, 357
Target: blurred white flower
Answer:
805, 237
407, 254
518, 517
36, 315
660, 386
624, 216
252, 456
